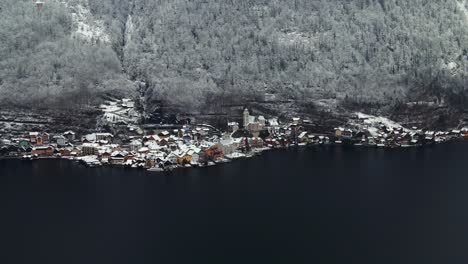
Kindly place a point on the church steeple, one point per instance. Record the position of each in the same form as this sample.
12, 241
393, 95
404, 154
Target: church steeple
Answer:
246, 116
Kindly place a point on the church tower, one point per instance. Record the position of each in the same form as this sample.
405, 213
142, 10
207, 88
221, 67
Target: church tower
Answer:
246, 116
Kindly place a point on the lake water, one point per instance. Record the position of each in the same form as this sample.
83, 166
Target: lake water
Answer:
306, 205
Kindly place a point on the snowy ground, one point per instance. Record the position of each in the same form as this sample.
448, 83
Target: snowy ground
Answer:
121, 111
293, 38
373, 123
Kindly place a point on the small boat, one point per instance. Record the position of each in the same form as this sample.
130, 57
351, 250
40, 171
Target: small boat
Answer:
28, 157
156, 169
93, 164
235, 155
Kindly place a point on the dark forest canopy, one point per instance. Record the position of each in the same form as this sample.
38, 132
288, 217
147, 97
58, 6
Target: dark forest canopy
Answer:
189, 51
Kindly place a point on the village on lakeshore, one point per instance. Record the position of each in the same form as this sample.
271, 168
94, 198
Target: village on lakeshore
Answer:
169, 146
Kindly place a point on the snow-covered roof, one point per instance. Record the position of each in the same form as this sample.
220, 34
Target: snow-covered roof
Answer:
143, 149
273, 122
90, 145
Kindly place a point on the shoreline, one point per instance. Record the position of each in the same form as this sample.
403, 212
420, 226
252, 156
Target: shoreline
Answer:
257, 152
165, 147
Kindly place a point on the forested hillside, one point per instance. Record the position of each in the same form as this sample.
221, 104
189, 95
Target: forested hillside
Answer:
42, 65
207, 52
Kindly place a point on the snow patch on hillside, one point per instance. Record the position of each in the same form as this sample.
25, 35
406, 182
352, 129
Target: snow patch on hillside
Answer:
374, 123
462, 4
378, 121
294, 38
129, 29
86, 27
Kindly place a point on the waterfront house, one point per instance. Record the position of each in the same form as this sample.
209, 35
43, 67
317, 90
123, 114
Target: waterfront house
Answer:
362, 135
465, 132
429, 135
455, 132
339, 132
404, 139
65, 152
196, 155
271, 142
415, 138
89, 149
213, 153
302, 138
171, 159
75, 152
343, 133
150, 163
105, 155
311, 138
184, 158
117, 158
158, 156
42, 151
347, 133
256, 142
130, 157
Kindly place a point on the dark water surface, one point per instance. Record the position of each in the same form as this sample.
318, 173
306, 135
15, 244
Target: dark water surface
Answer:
310, 205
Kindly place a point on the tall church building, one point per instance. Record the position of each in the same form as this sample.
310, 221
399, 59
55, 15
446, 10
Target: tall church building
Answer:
246, 115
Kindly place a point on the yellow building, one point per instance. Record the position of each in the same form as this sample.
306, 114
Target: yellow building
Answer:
185, 159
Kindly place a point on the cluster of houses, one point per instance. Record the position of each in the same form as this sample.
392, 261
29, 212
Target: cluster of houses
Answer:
368, 130
201, 145
121, 113
185, 146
